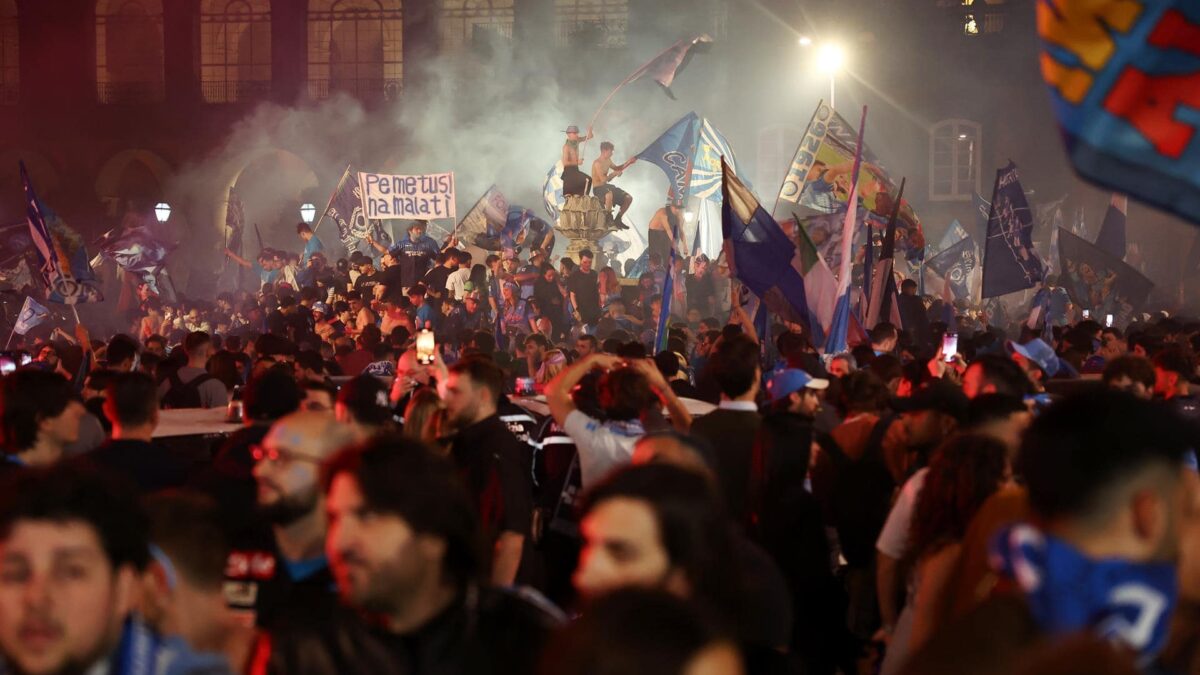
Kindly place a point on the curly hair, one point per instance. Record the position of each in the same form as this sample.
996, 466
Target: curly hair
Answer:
963, 473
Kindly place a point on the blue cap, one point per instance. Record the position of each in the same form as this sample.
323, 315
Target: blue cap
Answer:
320, 307
1039, 353
788, 380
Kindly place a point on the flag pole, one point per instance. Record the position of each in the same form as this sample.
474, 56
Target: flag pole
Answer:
11, 333
632, 76
336, 190
76, 312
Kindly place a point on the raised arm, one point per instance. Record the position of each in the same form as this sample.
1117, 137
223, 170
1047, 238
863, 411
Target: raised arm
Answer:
681, 419
238, 259
558, 390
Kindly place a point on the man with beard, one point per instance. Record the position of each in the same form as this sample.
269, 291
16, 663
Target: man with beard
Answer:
280, 574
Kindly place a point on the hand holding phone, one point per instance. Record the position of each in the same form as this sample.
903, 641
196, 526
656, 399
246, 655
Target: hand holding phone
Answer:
949, 347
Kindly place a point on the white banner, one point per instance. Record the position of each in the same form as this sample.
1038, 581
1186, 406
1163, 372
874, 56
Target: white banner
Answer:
424, 197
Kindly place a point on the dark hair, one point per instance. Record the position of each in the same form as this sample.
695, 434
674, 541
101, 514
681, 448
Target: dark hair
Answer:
132, 399
734, 364
303, 227
27, 397
223, 366
367, 400
310, 360
778, 467
606, 145
1136, 368
187, 527
624, 393
590, 339
271, 395
1176, 358
692, 525
987, 408
963, 472
121, 348
586, 253
862, 391
483, 372
633, 631
539, 339
194, 341
70, 491
402, 477
884, 331
1084, 445
667, 364
1004, 375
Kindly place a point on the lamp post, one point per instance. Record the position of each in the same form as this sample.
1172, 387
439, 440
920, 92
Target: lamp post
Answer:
831, 57
162, 211
308, 212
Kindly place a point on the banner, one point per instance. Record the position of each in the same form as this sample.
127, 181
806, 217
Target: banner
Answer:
31, 316
346, 211
484, 220
1112, 231
1124, 79
674, 151
1009, 261
423, 197
825, 232
552, 191
955, 265
62, 256
1100, 281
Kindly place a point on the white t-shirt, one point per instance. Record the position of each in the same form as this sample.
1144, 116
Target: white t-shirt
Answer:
893, 539
456, 283
602, 446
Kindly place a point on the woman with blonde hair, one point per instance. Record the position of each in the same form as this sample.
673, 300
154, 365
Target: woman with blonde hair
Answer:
552, 364
420, 416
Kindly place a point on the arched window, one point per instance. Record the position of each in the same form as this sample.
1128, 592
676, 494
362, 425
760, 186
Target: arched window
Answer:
129, 51
465, 21
591, 23
10, 68
355, 46
235, 49
955, 150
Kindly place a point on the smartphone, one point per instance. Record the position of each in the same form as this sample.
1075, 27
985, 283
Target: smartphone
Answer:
949, 346
1087, 313
1108, 320
525, 386
7, 365
425, 347
26, 358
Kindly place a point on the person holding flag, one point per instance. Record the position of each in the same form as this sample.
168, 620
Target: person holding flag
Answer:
575, 182
604, 170
312, 244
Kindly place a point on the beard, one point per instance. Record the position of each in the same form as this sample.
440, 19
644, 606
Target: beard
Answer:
289, 508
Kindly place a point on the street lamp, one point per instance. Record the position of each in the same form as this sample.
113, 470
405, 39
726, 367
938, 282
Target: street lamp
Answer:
688, 216
308, 212
162, 211
831, 58
805, 41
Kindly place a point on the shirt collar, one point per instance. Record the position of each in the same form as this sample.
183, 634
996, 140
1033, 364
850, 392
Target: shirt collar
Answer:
746, 406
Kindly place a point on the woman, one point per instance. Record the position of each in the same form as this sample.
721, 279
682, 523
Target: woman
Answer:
514, 312
646, 289
963, 473
610, 287
421, 416
152, 322
550, 301
552, 364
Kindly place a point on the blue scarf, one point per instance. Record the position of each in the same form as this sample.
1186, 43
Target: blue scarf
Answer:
141, 652
1127, 602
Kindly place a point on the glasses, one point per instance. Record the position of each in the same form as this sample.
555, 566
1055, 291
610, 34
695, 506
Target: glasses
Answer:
262, 453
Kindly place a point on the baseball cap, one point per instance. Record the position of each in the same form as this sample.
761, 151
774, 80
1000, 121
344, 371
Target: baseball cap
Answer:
938, 395
1038, 352
788, 380
357, 258
572, 130
320, 307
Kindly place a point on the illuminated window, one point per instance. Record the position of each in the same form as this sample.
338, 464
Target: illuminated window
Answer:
955, 150
591, 23
129, 51
10, 71
465, 21
235, 49
355, 46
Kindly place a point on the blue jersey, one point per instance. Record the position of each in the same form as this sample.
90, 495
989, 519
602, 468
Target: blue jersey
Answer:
415, 257
313, 245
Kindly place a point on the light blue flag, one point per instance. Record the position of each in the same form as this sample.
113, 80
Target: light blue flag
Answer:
674, 151
954, 234
552, 191
32, 315
706, 166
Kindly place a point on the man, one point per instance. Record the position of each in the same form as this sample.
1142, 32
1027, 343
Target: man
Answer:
1174, 366
362, 406
422, 311
732, 427
671, 364
586, 345
913, 314
536, 346
416, 253
884, 337
663, 227
436, 278
796, 392
1134, 374
528, 274
402, 543
456, 283
994, 374
274, 574
604, 170
191, 386
630, 394
584, 288
120, 354
131, 404
1038, 360
367, 278
701, 289
39, 418
491, 461
575, 182
312, 244
1112, 553
71, 548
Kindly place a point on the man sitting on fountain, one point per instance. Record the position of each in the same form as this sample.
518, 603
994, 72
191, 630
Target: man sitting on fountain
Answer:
575, 182
604, 170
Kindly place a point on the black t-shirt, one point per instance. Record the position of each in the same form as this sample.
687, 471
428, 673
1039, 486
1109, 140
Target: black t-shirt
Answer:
148, 465
393, 279
435, 280
366, 286
549, 300
701, 292
586, 287
491, 461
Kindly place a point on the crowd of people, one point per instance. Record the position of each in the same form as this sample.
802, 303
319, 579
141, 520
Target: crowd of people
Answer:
550, 486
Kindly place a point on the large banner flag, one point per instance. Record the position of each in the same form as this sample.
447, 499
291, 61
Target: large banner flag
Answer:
836, 341
1124, 78
820, 286
552, 191
1112, 230
346, 210
1010, 262
674, 151
424, 197
758, 252
1100, 281
485, 220
883, 304
819, 181
62, 256
955, 265
706, 165
825, 232
136, 250
662, 68
32, 315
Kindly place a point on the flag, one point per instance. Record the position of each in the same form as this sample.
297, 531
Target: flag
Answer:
955, 265
883, 304
1099, 281
666, 66
835, 342
61, 253
954, 234
820, 286
18, 276
664, 310
32, 314
673, 152
711, 146
1010, 262
235, 220
552, 191
1112, 230
136, 250
1123, 81
982, 208
758, 252
485, 220
346, 211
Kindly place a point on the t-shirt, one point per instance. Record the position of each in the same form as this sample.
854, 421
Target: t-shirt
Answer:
212, 392
893, 539
603, 446
586, 287
456, 283
415, 258
313, 245
435, 280
392, 278
365, 285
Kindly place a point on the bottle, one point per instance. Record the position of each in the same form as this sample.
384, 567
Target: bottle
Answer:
233, 412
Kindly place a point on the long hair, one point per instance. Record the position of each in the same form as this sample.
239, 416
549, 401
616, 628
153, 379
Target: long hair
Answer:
964, 472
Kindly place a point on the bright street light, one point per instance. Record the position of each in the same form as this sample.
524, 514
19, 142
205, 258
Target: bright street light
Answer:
831, 58
688, 216
805, 41
162, 211
308, 212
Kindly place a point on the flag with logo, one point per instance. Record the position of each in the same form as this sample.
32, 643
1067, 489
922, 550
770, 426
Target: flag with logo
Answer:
32, 315
1100, 281
552, 191
674, 151
836, 341
485, 220
62, 256
1010, 262
711, 146
956, 265
346, 212
883, 304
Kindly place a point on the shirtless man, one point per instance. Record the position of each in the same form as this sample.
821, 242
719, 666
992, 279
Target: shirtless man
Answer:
663, 227
604, 170
575, 182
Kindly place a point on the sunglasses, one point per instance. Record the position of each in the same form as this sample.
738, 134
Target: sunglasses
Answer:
262, 453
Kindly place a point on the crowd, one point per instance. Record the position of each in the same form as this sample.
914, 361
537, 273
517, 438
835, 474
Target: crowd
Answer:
539, 490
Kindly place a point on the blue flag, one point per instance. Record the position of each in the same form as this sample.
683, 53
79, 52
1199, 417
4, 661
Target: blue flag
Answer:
954, 234
65, 264
1112, 231
982, 208
664, 313
346, 211
1010, 262
706, 165
32, 314
674, 151
552, 191
955, 265
839, 329
760, 253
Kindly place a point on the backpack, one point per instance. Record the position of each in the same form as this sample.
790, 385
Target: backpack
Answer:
182, 395
862, 497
